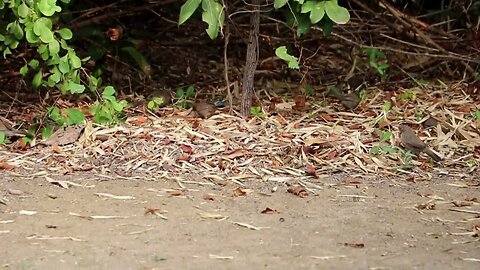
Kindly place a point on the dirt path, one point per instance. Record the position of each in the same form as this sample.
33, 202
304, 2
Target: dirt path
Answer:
373, 225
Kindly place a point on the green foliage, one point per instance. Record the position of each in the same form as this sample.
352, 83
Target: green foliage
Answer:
257, 111
309, 90
281, 52
156, 102
3, 138
185, 98
70, 117
47, 132
383, 146
109, 110
477, 115
213, 14
408, 95
377, 60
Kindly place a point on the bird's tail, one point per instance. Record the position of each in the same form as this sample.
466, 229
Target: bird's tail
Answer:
432, 155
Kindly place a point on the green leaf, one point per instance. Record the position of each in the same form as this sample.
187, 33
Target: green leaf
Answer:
55, 76
187, 10
75, 88
48, 7
214, 16
74, 60
281, 52
3, 137
34, 63
47, 132
387, 106
190, 91
375, 150
24, 70
74, 116
65, 33
37, 79
54, 47
316, 9
23, 10
304, 24
279, 3
63, 65
477, 115
108, 92
336, 13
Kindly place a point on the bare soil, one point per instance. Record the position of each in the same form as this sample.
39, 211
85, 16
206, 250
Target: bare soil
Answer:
371, 224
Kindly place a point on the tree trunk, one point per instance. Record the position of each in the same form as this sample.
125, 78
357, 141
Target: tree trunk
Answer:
251, 60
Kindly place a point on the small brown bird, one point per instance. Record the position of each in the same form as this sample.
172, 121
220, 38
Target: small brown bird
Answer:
205, 110
7, 127
413, 143
350, 101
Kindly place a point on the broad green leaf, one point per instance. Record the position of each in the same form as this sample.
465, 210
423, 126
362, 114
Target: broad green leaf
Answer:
24, 70
55, 76
74, 116
63, 65
74, 60
282, 53
336, 13
279, 3
214, 16
75, 88
387, 106
47, 132
304, 24
187, 10
23, 10
37, 79
54, 47
3, 137
108, 91
65, 33
48, 7
34, 63
316, 9
31, 36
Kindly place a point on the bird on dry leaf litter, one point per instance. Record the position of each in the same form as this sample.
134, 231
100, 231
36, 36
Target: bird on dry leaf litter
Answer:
411, 142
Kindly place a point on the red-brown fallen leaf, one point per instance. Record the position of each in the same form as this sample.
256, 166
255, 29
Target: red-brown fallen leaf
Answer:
175, 193
464, 109
473, 183
281, 120
352, 182
300, 102
298, 191
286, 135
139, 121
354, 245
233, 154
333, 154
312, 171
326, 117
152, 211
308, 149
392, 117
239, 192
6, 166
184, 157
383, 124
462, 203
208, 197
206, 130
269, 210
471, 199
186, 148
56, 149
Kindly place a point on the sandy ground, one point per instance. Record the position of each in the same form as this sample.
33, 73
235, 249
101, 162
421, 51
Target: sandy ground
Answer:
371, 224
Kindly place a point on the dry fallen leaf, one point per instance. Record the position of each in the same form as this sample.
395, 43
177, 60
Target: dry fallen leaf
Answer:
65, 135
239, 192
299, 191
6, 166
269, 210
